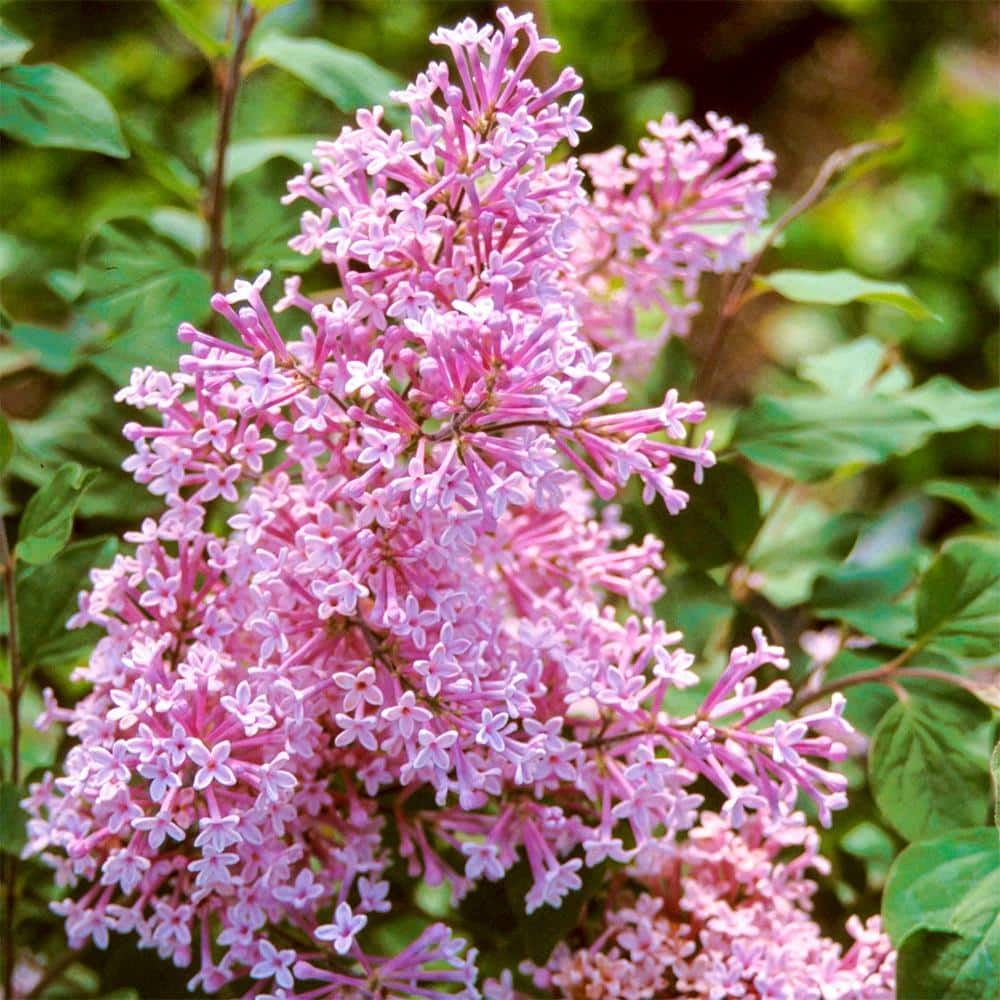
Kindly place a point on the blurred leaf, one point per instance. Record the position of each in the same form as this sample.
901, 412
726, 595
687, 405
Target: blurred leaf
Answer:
809, 438
958, 599
795, 546
259, 229
928, 763
56, 351
349, 79
854, 584
952, 407
187, 229
46, 105
246, 155
189, 26
13, 819
870, 842
699, 607
38, 748
895, 532
720, 520
980, 499
837, 288
854, 369
929, 881
47, 597
172, 173
66, 284
143, 284
13, 254
6, 443
83, 425
48, 517
12, 46
995, 775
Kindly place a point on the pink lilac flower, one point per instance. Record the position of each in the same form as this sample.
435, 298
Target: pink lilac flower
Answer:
418, 598
689, 926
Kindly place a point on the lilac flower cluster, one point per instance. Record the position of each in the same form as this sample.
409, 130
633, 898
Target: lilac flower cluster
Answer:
690, 201
382, 622
726, 915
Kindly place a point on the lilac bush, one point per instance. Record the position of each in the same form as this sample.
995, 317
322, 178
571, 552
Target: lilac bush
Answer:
389, 620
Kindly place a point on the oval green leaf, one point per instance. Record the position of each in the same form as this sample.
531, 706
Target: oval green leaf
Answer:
838, 288
930, 880
958, 599
929, 763
349, 79
810, 438
48, 517
46, 105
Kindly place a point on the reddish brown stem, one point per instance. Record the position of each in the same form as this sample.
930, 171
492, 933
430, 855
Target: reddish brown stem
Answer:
246, 17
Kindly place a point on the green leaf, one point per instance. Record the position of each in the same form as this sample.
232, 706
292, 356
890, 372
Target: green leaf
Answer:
55, 351
928, 763
995, 776
48, 517
246, 155
837, 288
38, 747
811, 438
186, 229
187, 23
946, 966
47, 597
856, 584
6, 443
719, 522
855, 369
349, 79
166, 169
802, 540
952, 407
958, 599
66, 284
83, 424
930, 880
13, 819
980, 499
46, 105
143, 284
12, 46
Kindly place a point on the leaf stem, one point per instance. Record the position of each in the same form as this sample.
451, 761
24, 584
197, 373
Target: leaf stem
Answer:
889, 673
246, 17
53, 973
14, 703
734, 292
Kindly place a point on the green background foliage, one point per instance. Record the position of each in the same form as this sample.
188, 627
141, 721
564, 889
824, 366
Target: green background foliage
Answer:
853, 397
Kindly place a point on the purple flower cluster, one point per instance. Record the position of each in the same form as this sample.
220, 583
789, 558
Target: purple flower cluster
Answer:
725, 915
381, 624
